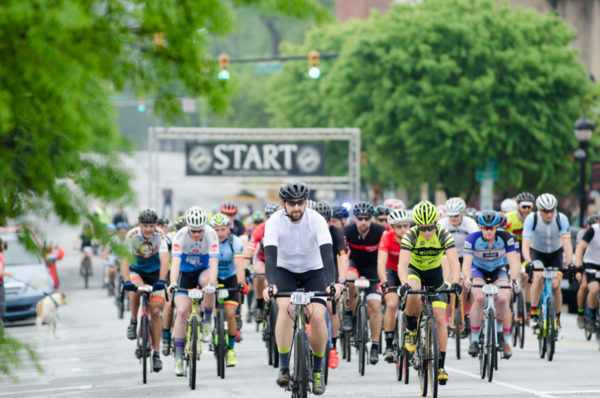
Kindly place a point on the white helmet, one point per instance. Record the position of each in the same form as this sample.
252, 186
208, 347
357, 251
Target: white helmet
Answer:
195, 217
394, 203
546, 201
455, 207
398, 216
508, 204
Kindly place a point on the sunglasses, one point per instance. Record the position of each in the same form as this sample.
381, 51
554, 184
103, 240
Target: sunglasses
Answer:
525, 206
485, 228
427, 228
382, 219
363, 218
298, 202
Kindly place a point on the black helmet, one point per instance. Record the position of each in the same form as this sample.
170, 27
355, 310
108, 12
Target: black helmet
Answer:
324, 210
363, 208
163, 221
525, 197
293, 190
340, 212
381, 209
147, 216
179, 223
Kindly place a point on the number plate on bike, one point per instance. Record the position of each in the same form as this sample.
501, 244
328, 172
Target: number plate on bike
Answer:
302, 298
489, 289
195, 294
362, 283
223, 293
549, 273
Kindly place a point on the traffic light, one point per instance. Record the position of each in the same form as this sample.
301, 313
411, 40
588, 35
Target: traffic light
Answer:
224, 66
141, 105
313, 65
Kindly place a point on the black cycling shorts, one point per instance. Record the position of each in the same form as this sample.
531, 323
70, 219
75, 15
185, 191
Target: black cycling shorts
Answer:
310, 281
190, 280
550, 260
369, 273
431, 277
590, 272
231, 283
392, 277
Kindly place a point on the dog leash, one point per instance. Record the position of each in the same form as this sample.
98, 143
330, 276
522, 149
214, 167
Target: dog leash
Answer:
31, 287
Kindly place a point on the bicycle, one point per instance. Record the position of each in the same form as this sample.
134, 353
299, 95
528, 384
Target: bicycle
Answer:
586, 316
519, 319
361, 332
425, 359
346, 334
85, 268
269, 333
301, 374
120, 296
457, 315
488, 339
401, 355
219, 336
144, 340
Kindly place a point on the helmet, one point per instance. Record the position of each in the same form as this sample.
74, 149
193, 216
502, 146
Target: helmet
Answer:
311, 204
546, 201
503, 220
229, 208
111, 227
593, 219
472, 213
219, 219
508, 205
147, 216
340, 212
363, 208
525, 198
394, 203
397, 216
122, 226
381, 209
425, 213
293, 190
258, 217
272, 208
163, 221
324, 210
195, 217
179, 223
455, 207
489, 218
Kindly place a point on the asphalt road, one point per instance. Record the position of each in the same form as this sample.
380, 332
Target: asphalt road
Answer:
93, 358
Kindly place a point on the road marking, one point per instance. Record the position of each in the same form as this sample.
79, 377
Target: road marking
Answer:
595, 392
82, 387
508, 385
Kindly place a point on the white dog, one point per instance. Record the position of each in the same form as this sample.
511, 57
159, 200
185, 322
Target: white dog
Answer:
46, 312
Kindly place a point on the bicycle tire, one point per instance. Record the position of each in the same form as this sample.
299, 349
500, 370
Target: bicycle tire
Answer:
433, 355
598, 334
541, 332
551, 331
483, 354
522, 314
194, 352
362, 339
326, 363
143, 349
86, 270
121, 300
275, 352
221, 348
587, 334
300, 375
421, 352
398, 345
458, 324
492, 348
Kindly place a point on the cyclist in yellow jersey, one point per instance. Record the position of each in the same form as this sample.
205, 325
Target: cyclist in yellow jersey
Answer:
420, 265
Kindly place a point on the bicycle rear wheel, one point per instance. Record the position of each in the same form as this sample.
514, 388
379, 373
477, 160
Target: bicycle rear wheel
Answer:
144, 334
361, 338
433, 356
300, 376
87, 265
193, 344
521, 317
458, 325
551, 331
220, 344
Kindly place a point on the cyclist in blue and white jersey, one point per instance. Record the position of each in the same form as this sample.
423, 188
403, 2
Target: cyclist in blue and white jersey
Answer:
149, 265
194, 262
487, 254
231, 271
546, 237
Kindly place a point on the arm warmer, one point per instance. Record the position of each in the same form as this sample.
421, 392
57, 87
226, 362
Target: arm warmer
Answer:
328, 263
270, 263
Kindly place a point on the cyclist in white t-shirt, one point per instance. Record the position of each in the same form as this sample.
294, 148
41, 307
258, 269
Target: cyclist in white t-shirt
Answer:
299, 254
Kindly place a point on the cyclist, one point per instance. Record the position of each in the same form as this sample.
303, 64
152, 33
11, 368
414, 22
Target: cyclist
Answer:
230, 210
514, 225
299, 254
394, 203
487, 254
362, 237
381, 212
339, 216
149, 265
194, 262
587, 256
85, 246
340, 257
387, 269
420, 264
508, 205
582, 291
545, 237
167, 315
231, 270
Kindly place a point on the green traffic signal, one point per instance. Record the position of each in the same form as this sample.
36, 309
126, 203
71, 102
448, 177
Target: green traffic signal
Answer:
314, 72
224, 75
142, 108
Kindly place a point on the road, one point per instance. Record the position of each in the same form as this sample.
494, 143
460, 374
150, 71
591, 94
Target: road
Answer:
92, 358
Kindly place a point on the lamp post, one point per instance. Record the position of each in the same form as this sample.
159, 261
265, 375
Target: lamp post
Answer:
583, 130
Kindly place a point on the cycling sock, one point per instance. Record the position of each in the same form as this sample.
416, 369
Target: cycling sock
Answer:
179, 344
260, 304
155, 353
134, 321
558, 318
506, 334
389, 339
348, 313
592, 313
166, 334
580, 310
207, 314
499, 324
411, 323
528, 307
475, 332
284, 357
534, 311
333, 342
250, 296
230, 342
317, 361
442, 359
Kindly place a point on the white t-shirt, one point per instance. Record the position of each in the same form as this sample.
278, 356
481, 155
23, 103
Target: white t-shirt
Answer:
467, 226
297, 244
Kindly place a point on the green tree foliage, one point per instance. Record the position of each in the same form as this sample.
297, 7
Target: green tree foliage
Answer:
440, 87
11, 357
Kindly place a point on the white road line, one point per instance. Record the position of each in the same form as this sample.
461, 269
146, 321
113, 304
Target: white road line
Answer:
595, 392
503, 384
28, 392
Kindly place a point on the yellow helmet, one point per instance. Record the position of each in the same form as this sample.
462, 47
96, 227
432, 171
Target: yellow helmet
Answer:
425, 213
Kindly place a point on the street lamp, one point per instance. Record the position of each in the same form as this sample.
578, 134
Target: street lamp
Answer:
583, 130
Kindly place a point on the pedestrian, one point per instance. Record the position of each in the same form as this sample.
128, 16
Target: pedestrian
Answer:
52, 253
3, 273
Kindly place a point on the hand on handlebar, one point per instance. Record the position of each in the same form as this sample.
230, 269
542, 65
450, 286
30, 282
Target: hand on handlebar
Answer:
404, 289
128, 285
269, 291
457, 288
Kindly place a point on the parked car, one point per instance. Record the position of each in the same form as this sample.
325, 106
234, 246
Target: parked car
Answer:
31, 280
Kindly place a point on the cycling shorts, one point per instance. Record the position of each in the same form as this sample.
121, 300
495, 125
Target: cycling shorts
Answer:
310, 281
553, 260
147, 279
494, 276
392, 277
190, 280
366, 272
591, 270
432, 277
231, 283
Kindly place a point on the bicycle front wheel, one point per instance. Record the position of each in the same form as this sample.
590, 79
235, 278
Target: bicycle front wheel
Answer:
220, 343
551, 330
193, 344
458, 325
87, 266
120, 300
300, 376
491, 346
541, 332
145, 336
362, 338
433, 356
521, 317
421, 359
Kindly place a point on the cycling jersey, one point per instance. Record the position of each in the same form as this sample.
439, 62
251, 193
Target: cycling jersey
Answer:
339, 242
592, 251
238, 228
490, 258
195, 254
459, 233
145, 251
229, 250
514, 225
256, 239
427, 254
390, 245
546, 238
363, 252
298, 244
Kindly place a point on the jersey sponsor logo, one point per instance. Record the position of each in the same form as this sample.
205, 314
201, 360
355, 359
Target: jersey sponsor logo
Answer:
428, 251
214, 248
468, 245
490, 255
145, 250
195, 251
176, 247
371, 248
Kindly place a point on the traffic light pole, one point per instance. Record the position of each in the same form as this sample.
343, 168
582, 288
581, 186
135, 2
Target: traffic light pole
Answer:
282, 58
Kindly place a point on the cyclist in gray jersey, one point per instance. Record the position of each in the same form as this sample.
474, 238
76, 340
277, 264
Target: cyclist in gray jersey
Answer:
587, 255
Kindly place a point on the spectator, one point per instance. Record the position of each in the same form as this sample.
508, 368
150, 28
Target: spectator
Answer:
52, 253
120, 217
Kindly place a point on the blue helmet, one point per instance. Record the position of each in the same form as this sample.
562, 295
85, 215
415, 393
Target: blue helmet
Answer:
489, 218
340, 212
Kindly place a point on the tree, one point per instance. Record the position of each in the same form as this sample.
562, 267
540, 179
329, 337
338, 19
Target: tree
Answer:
440, 87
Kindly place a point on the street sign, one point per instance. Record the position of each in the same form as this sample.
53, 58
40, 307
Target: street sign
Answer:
489, 173
268, 67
